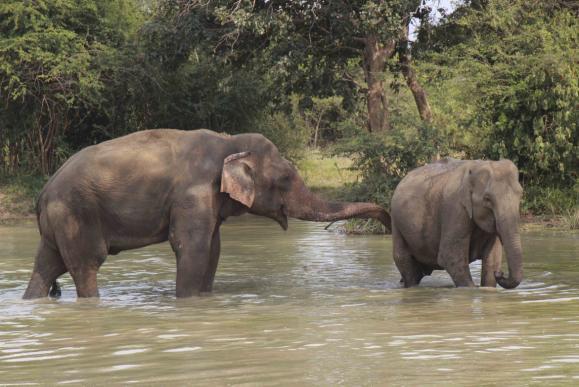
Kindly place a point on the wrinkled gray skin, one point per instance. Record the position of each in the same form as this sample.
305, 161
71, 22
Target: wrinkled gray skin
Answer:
450, 213
158, 185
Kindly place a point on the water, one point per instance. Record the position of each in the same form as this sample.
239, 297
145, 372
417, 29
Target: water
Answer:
306, 306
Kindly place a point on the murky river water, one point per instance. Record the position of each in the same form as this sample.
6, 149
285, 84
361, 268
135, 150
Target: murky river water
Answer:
306, 306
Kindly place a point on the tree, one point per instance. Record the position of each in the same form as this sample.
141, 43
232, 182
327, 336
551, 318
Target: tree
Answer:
316, 40
407, 70
519, 59
56, 58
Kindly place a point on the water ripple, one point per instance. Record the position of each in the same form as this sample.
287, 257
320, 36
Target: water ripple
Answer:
302, 307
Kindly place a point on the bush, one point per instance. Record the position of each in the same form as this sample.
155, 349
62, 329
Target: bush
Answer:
289, 137
550, 200
18, 193
384, 160
57, 60
506, 84
571, 219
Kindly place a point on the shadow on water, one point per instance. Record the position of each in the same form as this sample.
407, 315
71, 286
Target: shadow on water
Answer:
304, 306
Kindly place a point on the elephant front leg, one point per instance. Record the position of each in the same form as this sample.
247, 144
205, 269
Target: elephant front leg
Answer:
491, 264
191, 241
453, 256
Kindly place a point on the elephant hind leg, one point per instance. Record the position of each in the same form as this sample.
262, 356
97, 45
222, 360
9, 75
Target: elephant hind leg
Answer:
85, 280
83, 263
48, 266
83, 252
408, 267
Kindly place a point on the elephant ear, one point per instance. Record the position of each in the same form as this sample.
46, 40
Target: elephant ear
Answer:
465, 192
237, 178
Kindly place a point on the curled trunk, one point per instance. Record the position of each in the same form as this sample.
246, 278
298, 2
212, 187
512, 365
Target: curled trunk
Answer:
512, 243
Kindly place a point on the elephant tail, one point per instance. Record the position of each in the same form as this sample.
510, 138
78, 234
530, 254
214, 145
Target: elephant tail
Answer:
55, 291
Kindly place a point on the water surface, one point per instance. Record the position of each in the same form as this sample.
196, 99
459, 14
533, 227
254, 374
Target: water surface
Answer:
306, 306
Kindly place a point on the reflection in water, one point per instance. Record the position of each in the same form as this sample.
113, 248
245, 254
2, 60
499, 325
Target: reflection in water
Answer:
302, 306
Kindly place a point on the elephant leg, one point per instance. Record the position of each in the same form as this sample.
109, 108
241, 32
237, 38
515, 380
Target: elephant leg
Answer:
491, 263
213, 261
85, 280
453, 252
83, 251
48, 266
191, 238
459, 271
409, 268
193, 260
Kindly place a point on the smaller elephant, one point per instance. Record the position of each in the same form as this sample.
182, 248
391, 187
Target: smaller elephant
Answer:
449, 213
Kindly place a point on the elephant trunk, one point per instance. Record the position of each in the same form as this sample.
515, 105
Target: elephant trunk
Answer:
301, 203
512, 243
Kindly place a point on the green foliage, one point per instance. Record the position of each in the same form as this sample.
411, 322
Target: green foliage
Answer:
501, 78
550, 200
507, 85
56, 59
18, 193
503, 84
73, 73
326, 174
384, 160
323, 117
300, 47
290, 137
571, 219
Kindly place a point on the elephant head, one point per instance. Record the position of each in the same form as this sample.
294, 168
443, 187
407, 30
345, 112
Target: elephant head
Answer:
268, 185
491, 195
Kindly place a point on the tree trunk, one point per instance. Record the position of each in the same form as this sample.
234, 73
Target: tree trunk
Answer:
410, 76
319, 121
375, 57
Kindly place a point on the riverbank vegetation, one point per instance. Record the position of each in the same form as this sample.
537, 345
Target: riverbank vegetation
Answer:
493, 79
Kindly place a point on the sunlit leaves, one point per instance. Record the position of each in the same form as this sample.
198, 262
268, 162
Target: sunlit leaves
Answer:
57, 58
519, 59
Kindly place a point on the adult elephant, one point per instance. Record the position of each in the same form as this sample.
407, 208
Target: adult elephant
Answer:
450, 213
165, 184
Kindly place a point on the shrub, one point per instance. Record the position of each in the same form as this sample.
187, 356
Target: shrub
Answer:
572, 219
384, 160
290, 137
550, 200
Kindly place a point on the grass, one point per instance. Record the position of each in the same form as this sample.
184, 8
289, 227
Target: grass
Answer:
554, 201
18, 195
329, 177
326, 175
552, 207
571, 219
